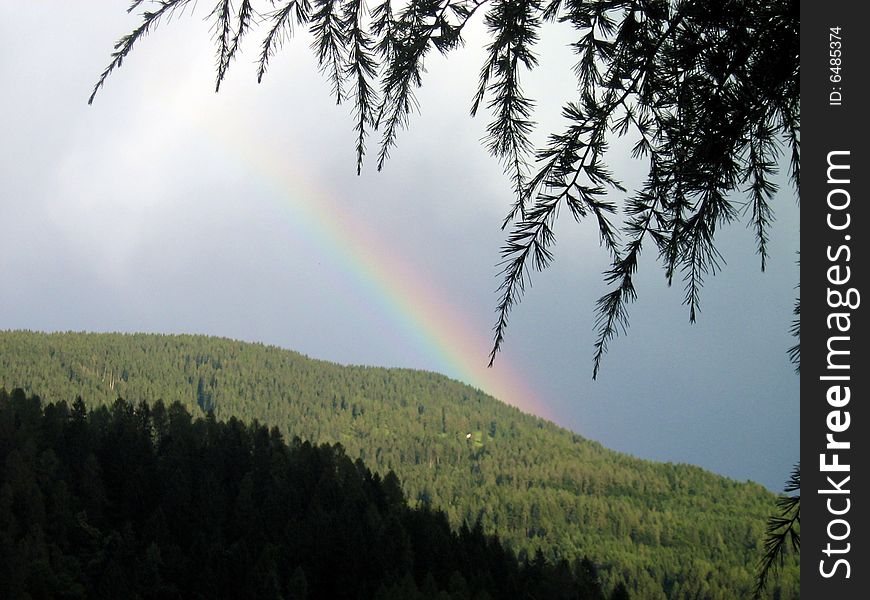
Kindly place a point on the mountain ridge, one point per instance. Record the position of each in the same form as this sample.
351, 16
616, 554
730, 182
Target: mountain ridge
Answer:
363, 366
669, 530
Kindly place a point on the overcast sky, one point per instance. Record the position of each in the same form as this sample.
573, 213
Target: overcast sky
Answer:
167, 208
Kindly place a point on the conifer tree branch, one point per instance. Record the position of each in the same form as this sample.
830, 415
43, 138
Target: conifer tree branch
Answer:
244, 18
150, 20
281, 21
533, 236
413, 31
361, 69
330, 43
222, 31
783, 529
513, 25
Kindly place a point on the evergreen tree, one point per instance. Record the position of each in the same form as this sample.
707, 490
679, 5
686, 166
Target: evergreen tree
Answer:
345, 537
534, 485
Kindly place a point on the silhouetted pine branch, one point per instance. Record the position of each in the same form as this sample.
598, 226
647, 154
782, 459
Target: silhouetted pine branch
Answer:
360, 69
150, 20
783, 529
281, 25
421, 25
244, 18
330, 43
513, 24
794, 353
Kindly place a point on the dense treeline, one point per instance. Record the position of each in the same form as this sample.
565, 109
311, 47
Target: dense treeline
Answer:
667, 531
145, 502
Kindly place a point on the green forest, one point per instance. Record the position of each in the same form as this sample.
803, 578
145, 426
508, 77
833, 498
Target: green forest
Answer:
145, 502
482, 467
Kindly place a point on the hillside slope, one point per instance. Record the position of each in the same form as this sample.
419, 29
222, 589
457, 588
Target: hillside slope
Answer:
147, 503
668, 531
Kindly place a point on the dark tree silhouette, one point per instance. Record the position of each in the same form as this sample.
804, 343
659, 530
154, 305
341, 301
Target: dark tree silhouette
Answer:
783, 529
238, 513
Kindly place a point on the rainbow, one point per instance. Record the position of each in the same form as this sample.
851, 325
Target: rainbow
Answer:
424, 313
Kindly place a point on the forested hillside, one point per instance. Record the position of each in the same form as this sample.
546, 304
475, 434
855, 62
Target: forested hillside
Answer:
668, 531
144, 502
